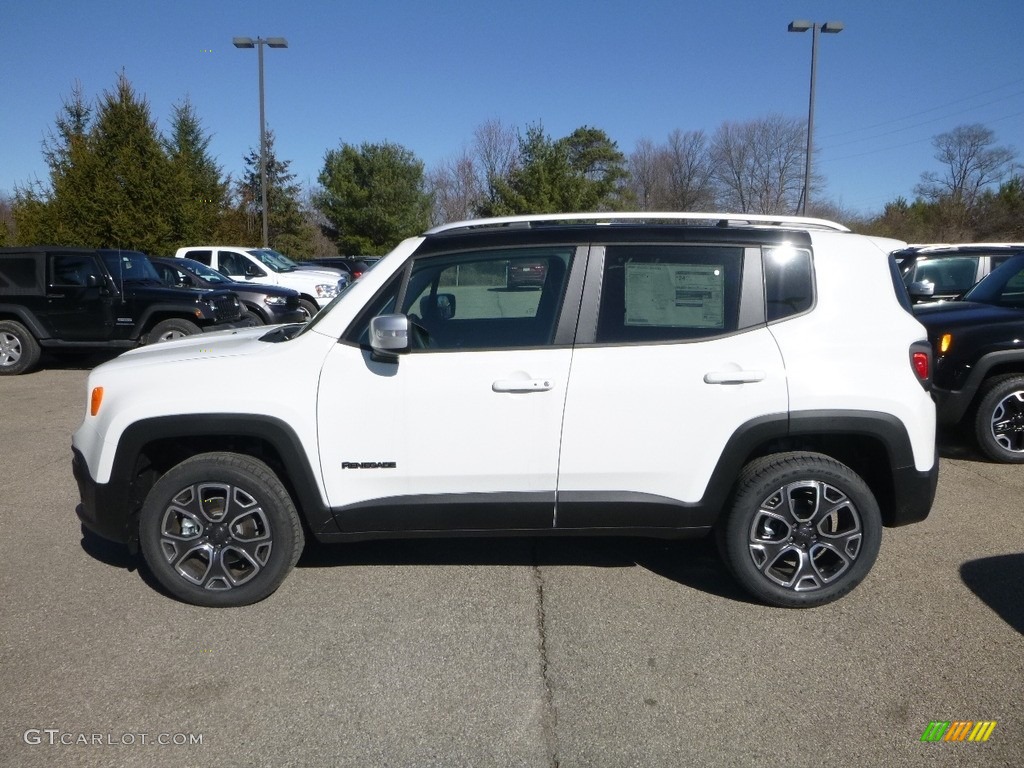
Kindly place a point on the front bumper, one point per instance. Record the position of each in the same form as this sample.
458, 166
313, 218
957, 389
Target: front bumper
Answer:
286, 317
103, 512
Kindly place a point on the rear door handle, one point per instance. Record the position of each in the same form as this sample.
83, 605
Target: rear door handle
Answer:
522, 385
734, 377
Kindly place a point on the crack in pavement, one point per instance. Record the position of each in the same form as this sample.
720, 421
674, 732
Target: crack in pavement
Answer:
549, 717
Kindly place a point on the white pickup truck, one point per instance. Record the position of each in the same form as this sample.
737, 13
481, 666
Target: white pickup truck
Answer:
266, 266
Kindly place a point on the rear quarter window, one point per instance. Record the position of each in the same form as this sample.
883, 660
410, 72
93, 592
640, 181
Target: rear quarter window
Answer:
788, 282
20, 275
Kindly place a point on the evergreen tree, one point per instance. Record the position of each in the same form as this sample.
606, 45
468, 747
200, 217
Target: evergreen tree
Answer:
584, 171
288, 230
108, 181
132, 182
64, 148
374, 195
198, 193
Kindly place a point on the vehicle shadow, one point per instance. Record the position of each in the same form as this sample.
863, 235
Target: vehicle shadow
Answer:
958, 443
996, 582
692, 563
76, 361
119, 556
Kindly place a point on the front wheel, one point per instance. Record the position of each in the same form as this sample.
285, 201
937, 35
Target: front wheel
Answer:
999, 422
220, 530
174, 328
309, 309
803, 530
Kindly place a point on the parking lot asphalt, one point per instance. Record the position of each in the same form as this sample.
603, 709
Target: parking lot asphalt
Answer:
523, 652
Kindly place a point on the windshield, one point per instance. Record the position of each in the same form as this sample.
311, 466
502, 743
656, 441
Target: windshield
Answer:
274, 260
130, 266
208, 274
1004, 286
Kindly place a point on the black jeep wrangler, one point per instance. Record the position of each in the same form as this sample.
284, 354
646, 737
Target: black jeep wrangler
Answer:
77, 299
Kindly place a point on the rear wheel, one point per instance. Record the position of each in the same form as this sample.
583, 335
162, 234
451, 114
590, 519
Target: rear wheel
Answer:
803, 530
174, 328
19, 350
220, 529
999, 422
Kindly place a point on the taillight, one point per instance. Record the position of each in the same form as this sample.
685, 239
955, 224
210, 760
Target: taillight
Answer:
921, 362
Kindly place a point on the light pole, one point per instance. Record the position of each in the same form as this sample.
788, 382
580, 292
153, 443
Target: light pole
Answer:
259, 42
831, 27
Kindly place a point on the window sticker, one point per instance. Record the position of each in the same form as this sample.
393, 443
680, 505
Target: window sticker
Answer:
675, 295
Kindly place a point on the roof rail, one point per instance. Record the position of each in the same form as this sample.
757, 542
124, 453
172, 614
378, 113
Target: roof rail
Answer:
712, 219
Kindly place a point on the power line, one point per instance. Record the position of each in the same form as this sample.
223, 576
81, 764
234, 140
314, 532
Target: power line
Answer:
931, 109
900, 146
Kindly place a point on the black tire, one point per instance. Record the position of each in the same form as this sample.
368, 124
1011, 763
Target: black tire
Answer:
168, 330
791, 554
999, 421
220, 530
251, 318
19, 350
308, 308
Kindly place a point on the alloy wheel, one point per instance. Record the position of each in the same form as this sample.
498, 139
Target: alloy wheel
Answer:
215, 536
805, 535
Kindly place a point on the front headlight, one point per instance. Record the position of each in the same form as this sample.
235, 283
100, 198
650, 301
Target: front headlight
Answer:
275, 301
326, 291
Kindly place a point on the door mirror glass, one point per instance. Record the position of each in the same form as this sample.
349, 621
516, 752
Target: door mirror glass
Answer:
921, 289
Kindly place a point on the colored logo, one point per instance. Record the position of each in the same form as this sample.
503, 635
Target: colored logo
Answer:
959, 730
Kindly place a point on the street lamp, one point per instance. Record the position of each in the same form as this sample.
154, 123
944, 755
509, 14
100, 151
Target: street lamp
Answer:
831, 27
259, 42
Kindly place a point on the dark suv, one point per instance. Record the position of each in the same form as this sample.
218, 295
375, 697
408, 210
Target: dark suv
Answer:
979, 360
75, 299
943, 272
262, 304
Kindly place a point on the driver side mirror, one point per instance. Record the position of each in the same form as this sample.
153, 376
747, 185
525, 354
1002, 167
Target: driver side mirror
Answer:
389, 336
922, 289
251, 270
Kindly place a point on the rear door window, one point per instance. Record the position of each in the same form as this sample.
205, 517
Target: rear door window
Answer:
664, 292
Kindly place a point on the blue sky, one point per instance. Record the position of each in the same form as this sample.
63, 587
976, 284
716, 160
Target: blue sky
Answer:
425, 74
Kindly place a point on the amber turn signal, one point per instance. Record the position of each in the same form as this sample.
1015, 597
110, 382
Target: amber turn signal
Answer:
96, 400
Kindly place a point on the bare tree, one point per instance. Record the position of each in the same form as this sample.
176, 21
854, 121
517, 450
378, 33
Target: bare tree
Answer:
495, 151
463, 184
758, 165
689, 172
456, 189
645, 176
971, 163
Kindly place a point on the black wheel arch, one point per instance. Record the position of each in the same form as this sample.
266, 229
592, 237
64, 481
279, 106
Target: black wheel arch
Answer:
873, 444
149, 448
21, 314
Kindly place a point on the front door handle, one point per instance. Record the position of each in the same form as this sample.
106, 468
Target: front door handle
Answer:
522, 385
734, 377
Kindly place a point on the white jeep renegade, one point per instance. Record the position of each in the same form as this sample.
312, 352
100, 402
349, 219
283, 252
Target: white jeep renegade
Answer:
660, 375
